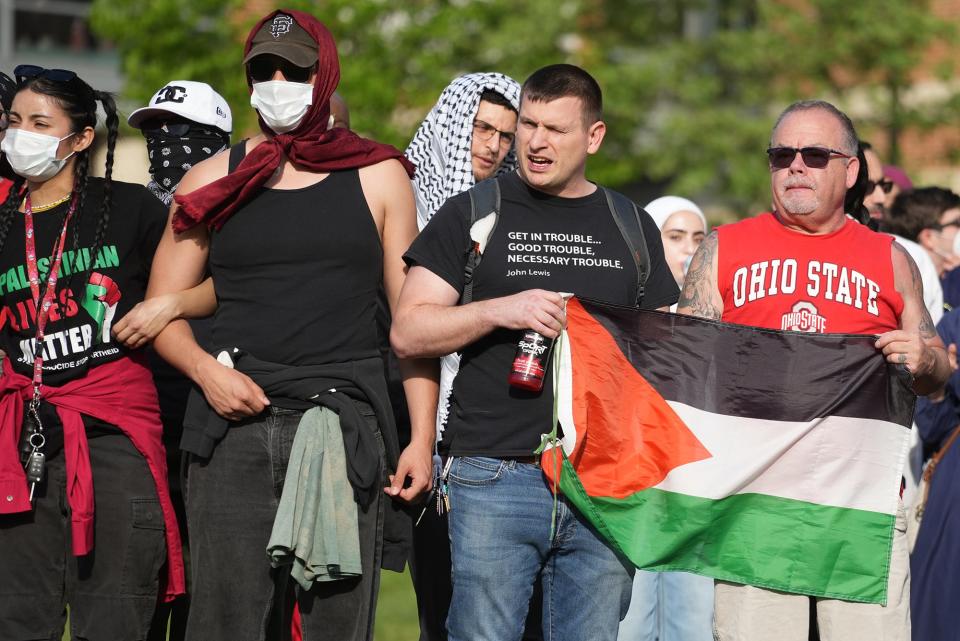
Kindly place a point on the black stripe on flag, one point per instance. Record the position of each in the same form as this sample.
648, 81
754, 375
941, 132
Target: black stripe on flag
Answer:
752, 372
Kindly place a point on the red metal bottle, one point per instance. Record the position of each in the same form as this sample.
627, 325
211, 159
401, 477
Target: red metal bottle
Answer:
530, 362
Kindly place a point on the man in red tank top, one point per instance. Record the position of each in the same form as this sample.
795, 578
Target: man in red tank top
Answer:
809, 267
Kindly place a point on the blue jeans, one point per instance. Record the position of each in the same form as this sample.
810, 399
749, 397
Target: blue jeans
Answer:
500, 540
669, 606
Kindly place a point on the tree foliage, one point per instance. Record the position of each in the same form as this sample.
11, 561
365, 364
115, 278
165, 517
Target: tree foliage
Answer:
690, 87
163, 40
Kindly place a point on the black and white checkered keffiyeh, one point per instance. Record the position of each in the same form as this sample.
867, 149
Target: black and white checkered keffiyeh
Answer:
441, 151
441, 147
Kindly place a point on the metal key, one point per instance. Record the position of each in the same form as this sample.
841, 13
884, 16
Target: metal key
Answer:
36, 466
426, 505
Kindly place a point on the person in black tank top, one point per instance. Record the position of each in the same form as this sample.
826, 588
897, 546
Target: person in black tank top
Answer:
317, 304
298, 239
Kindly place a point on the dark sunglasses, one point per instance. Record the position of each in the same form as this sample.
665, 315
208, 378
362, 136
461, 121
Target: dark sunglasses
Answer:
165, 126
813, 157
883, 183
262, 68
22, 72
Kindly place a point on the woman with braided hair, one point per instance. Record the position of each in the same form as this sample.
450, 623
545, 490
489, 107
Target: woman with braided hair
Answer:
85, 516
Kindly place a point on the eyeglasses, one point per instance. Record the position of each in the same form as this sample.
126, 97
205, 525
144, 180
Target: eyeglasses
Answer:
939, 227
883, 183
176, 127
813, 157
262, 68
22, 72
485, 131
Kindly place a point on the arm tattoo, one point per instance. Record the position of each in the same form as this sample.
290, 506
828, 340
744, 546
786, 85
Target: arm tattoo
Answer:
926, 328
699, 286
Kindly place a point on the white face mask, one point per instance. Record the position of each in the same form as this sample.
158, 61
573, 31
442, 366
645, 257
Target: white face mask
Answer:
33, 155
282, 104
956, 244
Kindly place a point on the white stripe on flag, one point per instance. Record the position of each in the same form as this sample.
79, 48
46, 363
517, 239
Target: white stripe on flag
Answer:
836, 461
563, 395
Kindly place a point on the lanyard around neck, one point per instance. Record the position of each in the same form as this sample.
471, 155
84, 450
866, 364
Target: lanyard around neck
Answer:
45, 300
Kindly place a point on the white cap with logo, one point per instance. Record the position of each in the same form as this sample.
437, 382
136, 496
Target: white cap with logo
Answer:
196, 101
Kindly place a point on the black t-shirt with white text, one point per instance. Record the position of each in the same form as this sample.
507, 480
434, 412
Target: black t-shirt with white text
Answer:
91, 293
539, 242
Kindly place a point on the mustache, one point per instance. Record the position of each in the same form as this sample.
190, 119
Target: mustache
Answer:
799, 181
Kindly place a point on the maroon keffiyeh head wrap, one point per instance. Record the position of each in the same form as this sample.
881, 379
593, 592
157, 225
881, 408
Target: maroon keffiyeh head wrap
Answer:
311, 145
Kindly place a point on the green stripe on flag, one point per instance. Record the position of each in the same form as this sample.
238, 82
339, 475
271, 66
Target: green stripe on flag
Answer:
755, 539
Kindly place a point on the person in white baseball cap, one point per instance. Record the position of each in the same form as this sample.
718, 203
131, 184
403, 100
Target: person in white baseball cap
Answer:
185, 122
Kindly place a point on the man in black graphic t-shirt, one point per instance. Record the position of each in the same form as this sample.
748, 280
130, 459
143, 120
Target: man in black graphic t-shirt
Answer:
555, 234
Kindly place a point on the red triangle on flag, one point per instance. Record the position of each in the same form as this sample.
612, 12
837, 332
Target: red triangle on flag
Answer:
628, 437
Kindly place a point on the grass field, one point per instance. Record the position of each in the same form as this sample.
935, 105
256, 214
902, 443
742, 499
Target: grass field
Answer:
397, 609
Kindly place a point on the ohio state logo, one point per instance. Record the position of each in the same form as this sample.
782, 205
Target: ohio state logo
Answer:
803, 317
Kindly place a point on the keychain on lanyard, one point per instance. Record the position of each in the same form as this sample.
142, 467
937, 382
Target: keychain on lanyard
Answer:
32, 439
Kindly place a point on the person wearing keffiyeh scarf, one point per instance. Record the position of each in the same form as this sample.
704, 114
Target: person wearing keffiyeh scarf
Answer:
466, 137
449, 147
450, 151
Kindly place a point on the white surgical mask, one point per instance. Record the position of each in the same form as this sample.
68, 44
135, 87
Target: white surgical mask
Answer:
956, 244
33, 155
282, 104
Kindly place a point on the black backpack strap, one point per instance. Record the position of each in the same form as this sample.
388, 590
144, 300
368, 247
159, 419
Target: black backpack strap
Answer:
237, 154
627, 217
484, 200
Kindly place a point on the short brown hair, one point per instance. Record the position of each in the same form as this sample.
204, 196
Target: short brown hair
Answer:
920, 209
563, 80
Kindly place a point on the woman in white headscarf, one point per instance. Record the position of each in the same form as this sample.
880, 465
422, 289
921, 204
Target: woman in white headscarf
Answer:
682, 229
672, 606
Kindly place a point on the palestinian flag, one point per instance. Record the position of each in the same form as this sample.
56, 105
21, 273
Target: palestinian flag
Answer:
755, 456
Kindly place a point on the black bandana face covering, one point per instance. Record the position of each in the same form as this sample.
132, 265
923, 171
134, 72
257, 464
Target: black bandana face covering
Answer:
172, 156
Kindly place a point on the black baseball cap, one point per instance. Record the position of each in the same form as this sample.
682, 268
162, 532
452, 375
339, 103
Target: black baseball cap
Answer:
283, 37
